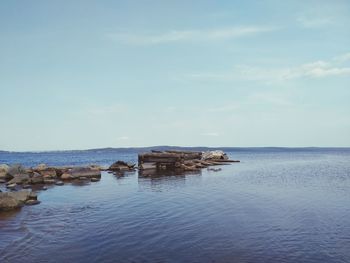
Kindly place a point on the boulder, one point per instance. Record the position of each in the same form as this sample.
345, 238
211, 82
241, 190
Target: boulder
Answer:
66, 176
36, 178
20, 179
214, 155
3, 172
122, 166
4, 168
12, 200
16, 169
59, 183
84, 172
48, 173
8, 202
41, 167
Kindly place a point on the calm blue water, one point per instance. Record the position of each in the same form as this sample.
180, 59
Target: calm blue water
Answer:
277, 205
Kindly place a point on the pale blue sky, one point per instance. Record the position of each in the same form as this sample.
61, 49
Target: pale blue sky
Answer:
88, 74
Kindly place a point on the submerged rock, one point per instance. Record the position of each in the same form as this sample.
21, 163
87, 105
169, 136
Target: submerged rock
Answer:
32, 202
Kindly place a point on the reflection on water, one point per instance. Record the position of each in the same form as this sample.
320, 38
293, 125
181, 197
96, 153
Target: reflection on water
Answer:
290, 206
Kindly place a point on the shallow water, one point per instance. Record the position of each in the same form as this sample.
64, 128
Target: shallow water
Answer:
277, 205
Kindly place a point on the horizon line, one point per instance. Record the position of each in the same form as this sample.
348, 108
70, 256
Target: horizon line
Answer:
174, 146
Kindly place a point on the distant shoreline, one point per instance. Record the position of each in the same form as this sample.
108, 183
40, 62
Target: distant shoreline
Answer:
189, 148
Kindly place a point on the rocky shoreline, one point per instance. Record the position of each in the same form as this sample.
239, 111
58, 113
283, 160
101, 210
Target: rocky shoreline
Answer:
18, 181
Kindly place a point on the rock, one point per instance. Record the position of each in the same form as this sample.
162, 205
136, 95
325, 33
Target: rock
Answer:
16, 169
36, 178
33, 196
3, 175
49, 181
2, 181
12, 200
20, 179
83, 178
66, 176
59, 183
32, 202
44, 188
8, 202
26, 186
3, 172
4, 168
214, 155
214, 169
48, 173
11, 186
122, 166
95, 179
41, 167
85, 172
22, 196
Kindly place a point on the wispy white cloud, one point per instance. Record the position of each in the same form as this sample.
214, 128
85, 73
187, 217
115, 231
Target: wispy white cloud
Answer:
317, 69
190, 35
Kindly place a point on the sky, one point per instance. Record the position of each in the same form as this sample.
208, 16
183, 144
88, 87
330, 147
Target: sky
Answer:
92, 74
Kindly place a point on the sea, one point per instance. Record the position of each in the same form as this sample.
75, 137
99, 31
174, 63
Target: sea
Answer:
276, 205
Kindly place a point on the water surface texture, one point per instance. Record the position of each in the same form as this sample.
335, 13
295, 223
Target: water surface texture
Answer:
277, 205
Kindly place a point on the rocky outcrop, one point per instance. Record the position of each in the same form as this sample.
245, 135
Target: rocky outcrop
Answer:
214, 155
13, 200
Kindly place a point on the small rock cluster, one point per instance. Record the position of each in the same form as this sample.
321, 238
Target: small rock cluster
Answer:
17, 177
